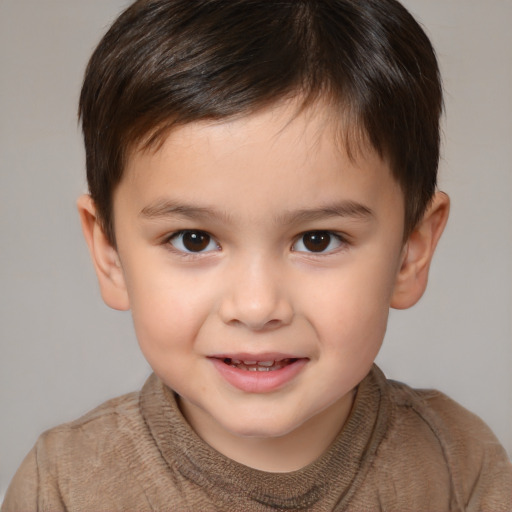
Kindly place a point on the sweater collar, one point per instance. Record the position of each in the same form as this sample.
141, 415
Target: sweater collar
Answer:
332, 478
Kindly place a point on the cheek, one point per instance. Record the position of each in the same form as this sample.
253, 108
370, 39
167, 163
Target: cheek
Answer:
167, 313
351, 309
167, 328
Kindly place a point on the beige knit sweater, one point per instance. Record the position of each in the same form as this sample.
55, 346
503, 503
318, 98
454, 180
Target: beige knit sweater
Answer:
400, 450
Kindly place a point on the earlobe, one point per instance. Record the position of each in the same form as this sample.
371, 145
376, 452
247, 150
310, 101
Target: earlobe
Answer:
417, 256
104, 256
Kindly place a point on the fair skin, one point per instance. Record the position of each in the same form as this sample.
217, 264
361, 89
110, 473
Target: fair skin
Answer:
257, 239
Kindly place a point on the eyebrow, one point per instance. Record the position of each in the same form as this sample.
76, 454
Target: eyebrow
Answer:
170, 208
350, 209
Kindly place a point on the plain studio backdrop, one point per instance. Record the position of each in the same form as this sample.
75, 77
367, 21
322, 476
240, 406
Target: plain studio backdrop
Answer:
63, 351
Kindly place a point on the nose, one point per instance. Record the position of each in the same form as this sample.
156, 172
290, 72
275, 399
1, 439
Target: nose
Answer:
256, 297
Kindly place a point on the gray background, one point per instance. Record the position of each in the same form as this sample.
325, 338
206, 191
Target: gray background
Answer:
62, 351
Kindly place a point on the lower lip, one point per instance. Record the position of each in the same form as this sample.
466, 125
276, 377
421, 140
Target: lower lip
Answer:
259, 382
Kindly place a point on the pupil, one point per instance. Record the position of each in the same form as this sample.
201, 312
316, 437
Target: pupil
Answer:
195, 241
317, 241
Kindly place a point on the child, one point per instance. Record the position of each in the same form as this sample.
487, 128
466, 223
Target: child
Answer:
263, 190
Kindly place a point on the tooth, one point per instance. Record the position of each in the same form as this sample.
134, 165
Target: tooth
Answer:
235, 361
266, 363
263, 369
253, 369
250, 362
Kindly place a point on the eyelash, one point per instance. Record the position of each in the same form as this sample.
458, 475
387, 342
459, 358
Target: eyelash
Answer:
322, 238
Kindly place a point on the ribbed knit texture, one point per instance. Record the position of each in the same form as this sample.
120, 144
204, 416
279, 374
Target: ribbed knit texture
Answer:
399, 450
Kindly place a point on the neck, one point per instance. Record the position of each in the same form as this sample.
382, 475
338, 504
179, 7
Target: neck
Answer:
282, 454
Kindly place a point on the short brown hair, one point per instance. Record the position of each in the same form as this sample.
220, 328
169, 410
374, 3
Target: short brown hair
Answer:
169, 62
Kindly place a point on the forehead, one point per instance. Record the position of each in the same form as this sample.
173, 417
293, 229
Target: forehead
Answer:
280, 157
317, 115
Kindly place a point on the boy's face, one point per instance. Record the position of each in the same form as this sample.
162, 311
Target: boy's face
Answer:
259, 240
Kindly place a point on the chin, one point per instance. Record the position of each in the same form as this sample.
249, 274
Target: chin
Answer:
262, 428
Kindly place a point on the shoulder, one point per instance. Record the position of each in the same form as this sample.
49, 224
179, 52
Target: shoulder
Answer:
89, 456
110, 413
102, 425
459, 432
442, 435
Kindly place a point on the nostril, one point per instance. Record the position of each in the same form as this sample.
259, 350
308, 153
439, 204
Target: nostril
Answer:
257, 326
273, 323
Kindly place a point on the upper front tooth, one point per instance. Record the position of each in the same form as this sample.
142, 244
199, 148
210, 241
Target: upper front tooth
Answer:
250, 362
266, 363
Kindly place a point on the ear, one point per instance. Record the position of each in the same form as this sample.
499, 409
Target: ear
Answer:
104, 256
412, 277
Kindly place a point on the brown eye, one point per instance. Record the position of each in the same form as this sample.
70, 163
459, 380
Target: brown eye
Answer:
317, 242
193, 241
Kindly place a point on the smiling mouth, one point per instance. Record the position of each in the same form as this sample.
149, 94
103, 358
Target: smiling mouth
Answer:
259, 366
